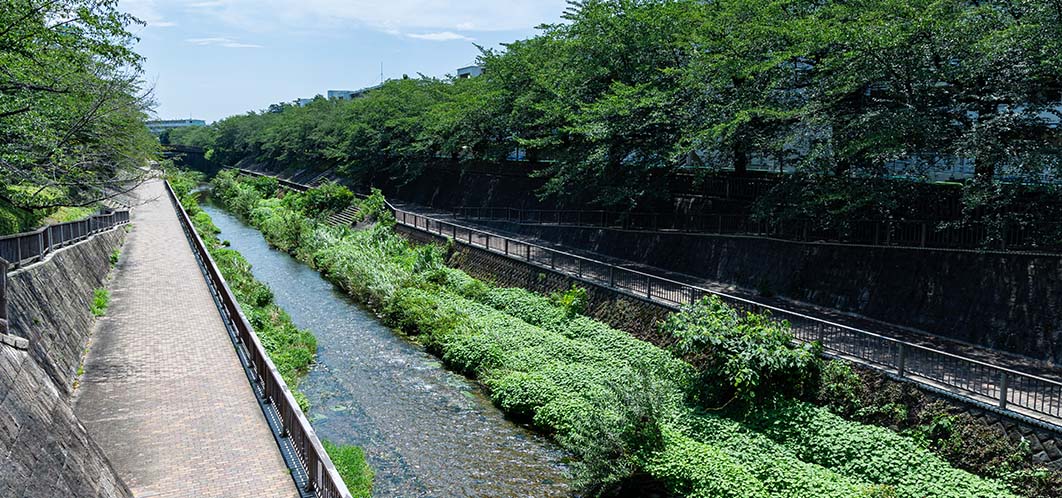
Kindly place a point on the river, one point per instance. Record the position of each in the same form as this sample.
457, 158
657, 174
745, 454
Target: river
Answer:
426, 431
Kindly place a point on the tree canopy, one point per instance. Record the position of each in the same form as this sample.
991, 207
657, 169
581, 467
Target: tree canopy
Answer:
72, 107
621, 93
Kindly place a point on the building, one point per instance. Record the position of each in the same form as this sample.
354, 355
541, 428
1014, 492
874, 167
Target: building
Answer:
159, 126
342, 94
469, 72
303, 102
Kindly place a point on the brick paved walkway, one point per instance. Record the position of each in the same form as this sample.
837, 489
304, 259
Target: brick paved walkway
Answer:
163, 392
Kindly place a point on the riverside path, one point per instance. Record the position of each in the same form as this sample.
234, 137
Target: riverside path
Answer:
164, 393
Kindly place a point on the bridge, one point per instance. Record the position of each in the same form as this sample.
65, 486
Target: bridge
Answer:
994, 381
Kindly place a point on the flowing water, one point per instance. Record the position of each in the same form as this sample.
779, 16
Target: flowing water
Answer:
426, 431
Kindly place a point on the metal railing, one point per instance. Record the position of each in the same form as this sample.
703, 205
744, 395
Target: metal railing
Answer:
23, 248
322, 478
1019, 393
1026, 396
887, 233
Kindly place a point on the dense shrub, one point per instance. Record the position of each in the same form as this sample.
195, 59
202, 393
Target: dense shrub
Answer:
749, 354
324, 200
620, 405
352, 467
868, 397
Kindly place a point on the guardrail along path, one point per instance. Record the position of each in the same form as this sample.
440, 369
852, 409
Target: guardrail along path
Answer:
164, 393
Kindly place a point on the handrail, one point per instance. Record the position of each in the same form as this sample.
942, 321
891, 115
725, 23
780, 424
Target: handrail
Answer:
28, 247
878, 233
322, 478
1010, 391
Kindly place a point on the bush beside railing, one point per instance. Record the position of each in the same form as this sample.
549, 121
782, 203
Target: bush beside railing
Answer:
322, 478
1025, 395
1004, 388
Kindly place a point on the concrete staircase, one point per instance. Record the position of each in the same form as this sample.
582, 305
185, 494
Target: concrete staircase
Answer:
345, 217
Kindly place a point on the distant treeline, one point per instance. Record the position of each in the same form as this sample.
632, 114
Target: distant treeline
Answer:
623, 92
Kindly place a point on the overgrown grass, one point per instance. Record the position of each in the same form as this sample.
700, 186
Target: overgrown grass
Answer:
291, 349
629, 411
101, 299
351, 464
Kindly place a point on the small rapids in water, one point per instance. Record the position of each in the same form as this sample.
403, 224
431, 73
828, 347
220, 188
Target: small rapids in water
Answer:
426, 431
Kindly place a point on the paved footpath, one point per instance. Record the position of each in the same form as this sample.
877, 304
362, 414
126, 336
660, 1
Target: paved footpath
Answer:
164, 393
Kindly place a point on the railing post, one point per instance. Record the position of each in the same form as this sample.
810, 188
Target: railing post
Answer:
3, 297
1003, 380
923, 234
488, 242
506, 247
901, 362
611, 276
649, 287
553, 260
528, 246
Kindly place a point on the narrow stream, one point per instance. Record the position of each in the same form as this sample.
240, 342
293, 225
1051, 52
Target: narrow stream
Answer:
426, 431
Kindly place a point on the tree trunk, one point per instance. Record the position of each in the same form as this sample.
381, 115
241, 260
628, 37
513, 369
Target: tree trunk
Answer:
741, 159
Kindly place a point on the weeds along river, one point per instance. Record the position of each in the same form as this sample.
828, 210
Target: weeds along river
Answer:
426, 431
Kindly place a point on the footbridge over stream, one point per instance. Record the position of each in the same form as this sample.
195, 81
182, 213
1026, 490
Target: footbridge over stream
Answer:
1007, 385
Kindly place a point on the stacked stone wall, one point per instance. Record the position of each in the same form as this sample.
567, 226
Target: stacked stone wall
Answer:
45, 451
640, 317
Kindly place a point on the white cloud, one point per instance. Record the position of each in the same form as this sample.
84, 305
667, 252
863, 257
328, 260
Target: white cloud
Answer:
147, 11
221, 42
440, 36
405, 16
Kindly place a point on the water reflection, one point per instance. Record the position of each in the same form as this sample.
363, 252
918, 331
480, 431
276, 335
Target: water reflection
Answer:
426, 431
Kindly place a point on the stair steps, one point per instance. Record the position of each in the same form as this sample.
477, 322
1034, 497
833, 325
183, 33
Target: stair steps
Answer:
345, 217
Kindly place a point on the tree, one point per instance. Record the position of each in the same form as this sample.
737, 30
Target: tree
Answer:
72, 109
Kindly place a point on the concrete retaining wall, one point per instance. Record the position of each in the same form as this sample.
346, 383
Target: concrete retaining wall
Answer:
639, 317
45, 452
49, 303
1008, 302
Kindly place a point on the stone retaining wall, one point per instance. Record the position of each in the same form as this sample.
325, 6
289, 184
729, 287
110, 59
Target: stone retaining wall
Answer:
49, 303
639, 318
45, 452
1010, 302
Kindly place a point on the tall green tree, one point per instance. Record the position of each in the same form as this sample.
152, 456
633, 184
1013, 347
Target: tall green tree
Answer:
71, 104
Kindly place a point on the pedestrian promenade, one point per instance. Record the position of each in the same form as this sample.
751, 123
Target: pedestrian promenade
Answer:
163, 391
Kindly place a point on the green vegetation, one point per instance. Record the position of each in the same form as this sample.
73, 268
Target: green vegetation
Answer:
115, 255
65, 214
291, 349
632, 414
101, 299
351, 464
73, 107
747, 354
622, 93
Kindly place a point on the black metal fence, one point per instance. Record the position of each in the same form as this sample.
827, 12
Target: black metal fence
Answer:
924, 234
1006, 389
1025, 395
23, 248
321, 477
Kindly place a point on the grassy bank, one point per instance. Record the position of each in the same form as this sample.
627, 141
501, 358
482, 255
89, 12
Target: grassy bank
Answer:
291, 349
717, 416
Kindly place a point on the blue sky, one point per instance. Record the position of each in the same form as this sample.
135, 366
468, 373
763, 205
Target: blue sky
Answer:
208, 59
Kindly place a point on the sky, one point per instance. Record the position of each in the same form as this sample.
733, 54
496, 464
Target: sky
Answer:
208, 59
